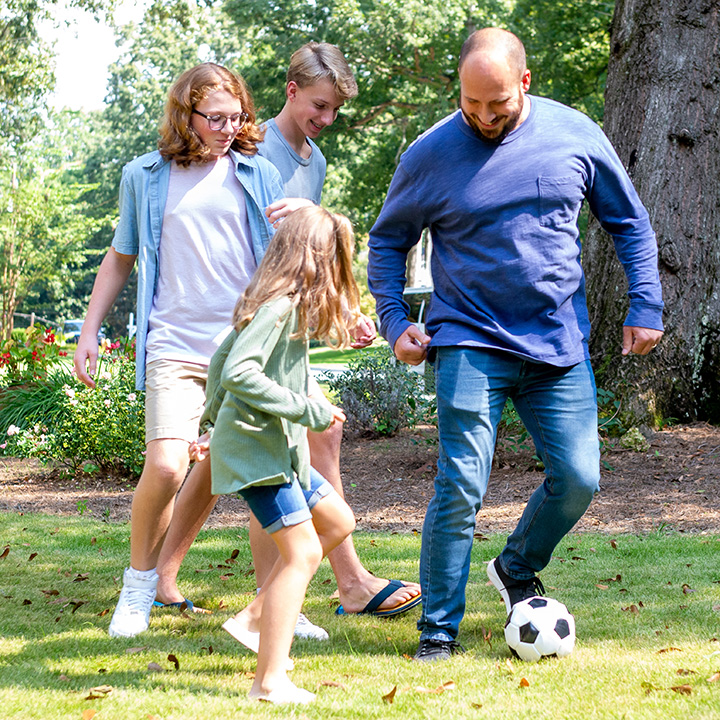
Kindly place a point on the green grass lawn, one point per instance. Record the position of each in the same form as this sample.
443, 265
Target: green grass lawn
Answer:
652, 629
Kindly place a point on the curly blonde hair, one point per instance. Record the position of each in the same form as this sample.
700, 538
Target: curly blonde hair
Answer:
309, 259
178, 140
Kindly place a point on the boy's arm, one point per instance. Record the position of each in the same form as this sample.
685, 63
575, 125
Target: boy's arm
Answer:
282, 208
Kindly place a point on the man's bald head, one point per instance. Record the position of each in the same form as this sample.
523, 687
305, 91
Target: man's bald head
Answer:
496, 43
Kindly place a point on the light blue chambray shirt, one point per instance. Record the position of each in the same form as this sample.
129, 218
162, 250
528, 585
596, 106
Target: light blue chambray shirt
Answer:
143, 193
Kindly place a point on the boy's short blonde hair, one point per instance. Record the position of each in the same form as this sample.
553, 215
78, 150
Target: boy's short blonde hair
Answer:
319, 61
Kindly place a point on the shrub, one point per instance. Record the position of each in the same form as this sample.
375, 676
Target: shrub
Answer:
62, 419
31, 357
380, 395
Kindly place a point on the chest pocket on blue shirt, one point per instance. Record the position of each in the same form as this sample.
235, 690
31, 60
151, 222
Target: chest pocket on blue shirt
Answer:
560, 199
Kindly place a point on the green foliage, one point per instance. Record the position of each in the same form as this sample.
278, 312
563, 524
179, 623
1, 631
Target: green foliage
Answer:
29, 355
87, 429
380, 395
567, 45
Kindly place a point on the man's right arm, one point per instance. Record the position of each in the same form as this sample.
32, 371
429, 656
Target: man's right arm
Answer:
396, 231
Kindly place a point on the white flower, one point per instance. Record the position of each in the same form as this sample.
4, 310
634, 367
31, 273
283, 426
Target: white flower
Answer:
13, 430
132, 397
73, 401
70, 392
107, 402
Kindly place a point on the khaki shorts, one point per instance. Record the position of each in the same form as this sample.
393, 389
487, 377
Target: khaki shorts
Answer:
174, 399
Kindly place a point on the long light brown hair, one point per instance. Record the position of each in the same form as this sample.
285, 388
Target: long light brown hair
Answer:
310, 260
178, 140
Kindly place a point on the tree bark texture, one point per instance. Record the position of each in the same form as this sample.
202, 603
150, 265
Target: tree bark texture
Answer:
662, 114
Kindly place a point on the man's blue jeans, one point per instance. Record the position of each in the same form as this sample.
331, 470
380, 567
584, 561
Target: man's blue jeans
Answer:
559, 409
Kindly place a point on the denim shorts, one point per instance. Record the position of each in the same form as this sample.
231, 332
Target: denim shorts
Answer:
279, 506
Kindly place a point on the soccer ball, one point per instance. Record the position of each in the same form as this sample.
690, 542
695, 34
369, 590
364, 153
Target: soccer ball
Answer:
539, 627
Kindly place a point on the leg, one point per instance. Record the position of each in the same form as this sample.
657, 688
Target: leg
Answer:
333, 522
300, 554
559, 409
472, 386
165, 466
192, 507
166, 463
356, 586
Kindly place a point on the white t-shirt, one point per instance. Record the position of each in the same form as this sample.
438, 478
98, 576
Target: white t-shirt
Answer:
205, 262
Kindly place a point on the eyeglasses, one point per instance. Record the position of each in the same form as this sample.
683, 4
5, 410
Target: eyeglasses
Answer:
218, 122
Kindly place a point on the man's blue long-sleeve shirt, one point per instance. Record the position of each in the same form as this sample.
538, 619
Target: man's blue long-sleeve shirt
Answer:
506, 253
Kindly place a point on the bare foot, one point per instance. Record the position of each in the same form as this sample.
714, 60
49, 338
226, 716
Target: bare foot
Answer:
356, 599
283, 694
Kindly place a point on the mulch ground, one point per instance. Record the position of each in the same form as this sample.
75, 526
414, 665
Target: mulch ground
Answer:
388, 483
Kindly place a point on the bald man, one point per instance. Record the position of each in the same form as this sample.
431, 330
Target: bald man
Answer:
500, 184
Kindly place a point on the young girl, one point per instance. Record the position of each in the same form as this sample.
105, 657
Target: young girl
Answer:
257, 405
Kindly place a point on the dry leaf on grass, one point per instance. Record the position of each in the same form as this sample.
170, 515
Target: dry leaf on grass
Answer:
390, 697
88, 714
668, 649
682, 689
99, 692
173, 659
524, 682
154, 667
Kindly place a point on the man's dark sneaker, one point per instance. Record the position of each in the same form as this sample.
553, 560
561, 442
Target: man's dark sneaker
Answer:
512, 590
434, 650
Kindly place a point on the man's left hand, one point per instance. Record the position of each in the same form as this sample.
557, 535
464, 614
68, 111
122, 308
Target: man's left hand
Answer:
639, 340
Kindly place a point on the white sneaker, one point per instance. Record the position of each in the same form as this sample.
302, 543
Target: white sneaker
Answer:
305, 629
132, 613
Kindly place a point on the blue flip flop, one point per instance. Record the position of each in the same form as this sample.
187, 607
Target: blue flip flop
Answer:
372, 607
187, 603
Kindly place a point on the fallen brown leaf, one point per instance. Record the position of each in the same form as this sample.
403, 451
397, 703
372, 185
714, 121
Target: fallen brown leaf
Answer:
602, 587
134, 650
682, 689
154, 667
99, 692
88, 714
477, 706
613, 544
32, 556
683, 671
5, 552
687, 589
173, 659
509, 666
633, 609
332, 683
524, 682
390, 697
714, 677
668, 649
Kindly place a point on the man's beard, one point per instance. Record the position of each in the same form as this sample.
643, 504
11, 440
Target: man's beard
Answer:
510, 125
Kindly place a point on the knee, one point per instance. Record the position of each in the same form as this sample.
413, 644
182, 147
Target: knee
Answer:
328, 440
165, 471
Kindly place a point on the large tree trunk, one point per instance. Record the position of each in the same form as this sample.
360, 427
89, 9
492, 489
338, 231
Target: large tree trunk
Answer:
662, 114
